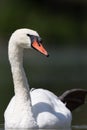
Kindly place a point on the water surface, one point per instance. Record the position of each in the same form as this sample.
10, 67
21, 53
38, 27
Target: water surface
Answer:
75, 127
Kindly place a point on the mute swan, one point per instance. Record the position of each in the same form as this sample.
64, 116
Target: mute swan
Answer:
37, 108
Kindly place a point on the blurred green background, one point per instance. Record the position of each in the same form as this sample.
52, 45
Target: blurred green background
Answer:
62, 24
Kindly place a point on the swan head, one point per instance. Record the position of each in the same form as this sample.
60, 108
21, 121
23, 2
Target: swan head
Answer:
27, 38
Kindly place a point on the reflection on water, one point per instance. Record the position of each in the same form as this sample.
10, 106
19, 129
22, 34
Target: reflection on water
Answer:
74, 127
38, 129
81, 127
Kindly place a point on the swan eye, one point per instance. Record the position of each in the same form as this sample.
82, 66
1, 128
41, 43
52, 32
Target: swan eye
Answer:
28, 35
32, 37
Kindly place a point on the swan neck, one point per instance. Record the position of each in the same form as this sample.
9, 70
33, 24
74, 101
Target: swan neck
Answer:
21, 87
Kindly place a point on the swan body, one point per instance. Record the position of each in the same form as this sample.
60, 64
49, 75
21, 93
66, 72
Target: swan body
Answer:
49, 111
37, 108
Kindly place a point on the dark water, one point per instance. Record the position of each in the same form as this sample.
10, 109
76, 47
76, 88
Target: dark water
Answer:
72, 128
66, 68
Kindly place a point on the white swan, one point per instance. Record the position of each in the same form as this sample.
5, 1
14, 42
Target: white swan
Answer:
37, 108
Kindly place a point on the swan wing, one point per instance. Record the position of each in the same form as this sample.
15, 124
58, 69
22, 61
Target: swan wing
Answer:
48, 110
73, 98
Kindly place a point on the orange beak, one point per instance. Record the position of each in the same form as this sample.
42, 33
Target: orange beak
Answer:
40, 48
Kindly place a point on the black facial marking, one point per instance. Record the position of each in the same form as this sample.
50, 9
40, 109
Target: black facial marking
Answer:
32, 37
37, 38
